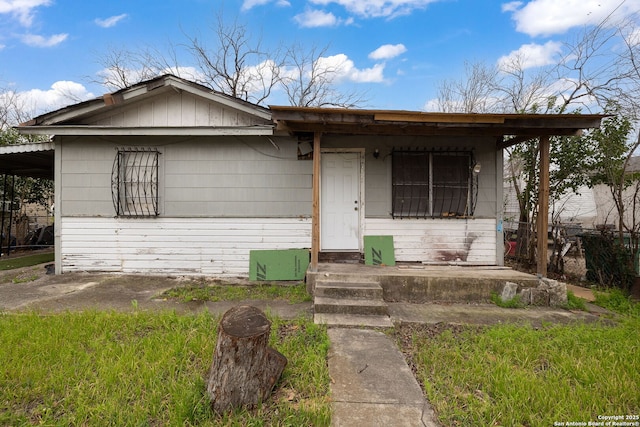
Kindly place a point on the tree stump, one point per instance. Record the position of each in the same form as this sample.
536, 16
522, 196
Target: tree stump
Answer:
244, 369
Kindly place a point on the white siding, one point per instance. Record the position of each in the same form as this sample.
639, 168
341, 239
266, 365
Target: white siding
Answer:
176, 109
166, 246
461, 241
606, 209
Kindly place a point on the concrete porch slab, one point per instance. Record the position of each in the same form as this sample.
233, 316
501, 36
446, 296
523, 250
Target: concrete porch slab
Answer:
426, 283
485, 314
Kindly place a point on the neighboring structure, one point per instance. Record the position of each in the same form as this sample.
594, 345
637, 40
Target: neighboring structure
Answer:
21, 223
169, 177
588, 207
578, 208
607, 212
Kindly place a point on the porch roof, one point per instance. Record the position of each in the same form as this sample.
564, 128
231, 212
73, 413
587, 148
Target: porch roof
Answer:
508, 129
33, 160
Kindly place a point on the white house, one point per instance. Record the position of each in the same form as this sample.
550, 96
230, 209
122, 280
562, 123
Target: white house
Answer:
170, 177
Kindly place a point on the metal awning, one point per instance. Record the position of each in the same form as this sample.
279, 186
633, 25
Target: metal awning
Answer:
32, 160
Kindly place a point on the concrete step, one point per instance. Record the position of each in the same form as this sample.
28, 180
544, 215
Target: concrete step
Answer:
349, 306
361, 290
357, 320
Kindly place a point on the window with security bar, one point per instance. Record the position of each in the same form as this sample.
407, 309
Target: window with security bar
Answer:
134, 182
427, 184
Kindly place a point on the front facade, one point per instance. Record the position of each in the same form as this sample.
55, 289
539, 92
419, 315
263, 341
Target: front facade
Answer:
422, 191
167, 177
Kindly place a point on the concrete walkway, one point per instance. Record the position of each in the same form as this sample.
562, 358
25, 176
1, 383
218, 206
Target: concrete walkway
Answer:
371, 384
584, 293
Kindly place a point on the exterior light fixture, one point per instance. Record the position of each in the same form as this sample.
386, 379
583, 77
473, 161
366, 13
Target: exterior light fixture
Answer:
476, 168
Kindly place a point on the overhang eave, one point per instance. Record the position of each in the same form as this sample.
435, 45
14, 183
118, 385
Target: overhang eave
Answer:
505, 127
90, 130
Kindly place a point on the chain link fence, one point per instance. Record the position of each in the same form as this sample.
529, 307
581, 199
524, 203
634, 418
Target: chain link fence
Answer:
20, 231
593, 254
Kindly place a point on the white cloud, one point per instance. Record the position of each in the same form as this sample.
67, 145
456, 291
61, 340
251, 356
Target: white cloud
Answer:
345, 69
188, 73
388, 51
374, 74
316, 18
378, 8
250, 4
547, 17
111, 21
35, 40
60, 94
22, 9
256, 78
511, 6
633, 36
531, 55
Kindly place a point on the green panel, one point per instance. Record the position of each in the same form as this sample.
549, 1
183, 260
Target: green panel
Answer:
288, 264
378, 250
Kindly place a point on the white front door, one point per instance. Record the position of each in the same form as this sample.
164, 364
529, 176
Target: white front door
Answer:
340, 201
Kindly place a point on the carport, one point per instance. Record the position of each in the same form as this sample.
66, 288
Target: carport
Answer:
33, 160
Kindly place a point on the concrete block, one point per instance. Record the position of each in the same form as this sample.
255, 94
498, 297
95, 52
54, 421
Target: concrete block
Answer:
525, 296
509, 291
540, 297
557, 294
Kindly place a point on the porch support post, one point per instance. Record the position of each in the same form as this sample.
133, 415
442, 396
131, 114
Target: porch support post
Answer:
543, 206
315, 214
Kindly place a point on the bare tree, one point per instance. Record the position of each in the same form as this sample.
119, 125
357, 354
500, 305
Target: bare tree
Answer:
311, 81
8, 100
599, 65
519, 90
236, 64
12, 109
122, 68
591, 73
474, 93
230, 60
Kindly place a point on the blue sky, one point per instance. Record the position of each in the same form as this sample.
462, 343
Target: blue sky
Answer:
395, 50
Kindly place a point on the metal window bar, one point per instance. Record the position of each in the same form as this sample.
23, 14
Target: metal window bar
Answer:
134, 182
451, 184
410, 184
432, 184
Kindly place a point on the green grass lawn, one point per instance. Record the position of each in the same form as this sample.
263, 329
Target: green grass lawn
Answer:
25, 261
222, 292
106, 368
510, 375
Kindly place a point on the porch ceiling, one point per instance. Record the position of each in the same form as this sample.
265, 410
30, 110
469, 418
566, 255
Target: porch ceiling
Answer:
32, 160
507, 128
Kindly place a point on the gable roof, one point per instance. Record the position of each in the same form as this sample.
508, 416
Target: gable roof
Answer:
166, 105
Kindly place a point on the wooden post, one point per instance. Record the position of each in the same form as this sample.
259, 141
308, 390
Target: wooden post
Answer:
543, 206
244, 369
315, 215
